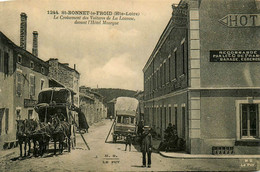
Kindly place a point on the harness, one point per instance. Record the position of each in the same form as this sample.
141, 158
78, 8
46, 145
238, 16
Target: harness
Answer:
61, 126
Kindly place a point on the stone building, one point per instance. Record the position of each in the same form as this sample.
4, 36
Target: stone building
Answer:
91, 103
203, 76
22, 76
61, 75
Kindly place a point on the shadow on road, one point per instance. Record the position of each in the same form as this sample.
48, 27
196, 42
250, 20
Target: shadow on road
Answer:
139, 166
117, 142
21, 158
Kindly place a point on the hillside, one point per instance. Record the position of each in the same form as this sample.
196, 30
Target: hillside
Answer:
111, 93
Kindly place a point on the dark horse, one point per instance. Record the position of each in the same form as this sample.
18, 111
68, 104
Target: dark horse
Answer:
24, 130
61, 131
41, 135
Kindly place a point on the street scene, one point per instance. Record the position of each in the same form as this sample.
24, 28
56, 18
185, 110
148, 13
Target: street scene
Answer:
81, 159
169, 85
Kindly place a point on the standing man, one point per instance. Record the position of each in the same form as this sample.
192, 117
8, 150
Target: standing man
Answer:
146, 146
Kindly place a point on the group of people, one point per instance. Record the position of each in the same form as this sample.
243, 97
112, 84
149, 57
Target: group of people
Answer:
171, 140
145, 136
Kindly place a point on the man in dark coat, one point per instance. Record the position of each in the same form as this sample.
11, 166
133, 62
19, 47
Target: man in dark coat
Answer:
83, 124
140, 127
146, 146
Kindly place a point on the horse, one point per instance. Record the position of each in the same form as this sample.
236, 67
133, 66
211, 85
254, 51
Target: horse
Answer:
30, 126
41, 135
61, 131
22, 136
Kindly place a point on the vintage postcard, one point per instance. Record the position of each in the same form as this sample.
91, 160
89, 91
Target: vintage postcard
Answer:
114, 85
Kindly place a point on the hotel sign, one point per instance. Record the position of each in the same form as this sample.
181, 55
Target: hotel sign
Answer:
241, 20
234, 55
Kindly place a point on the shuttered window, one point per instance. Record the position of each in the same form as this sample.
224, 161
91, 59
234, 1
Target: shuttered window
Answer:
32, 85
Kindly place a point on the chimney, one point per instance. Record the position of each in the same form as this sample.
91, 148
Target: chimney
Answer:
74, 66
23, 30
35, 43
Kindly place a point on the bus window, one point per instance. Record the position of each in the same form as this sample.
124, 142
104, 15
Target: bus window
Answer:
119, 119
126, 120
132, 120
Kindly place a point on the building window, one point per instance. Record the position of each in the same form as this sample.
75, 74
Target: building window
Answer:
183, 58
176, 116
175, 64
161, 120
42, 84
154, 81
249, 121
169, 69
43, 70
165, 118
31, 64
32, 85
6, 120
148, 116
2, 111
19, 59
161, 76
154, 109
164, 73
30, 113
170, 114
119, 119
19, 84
157, 79
6, 63
183, 122
158, 117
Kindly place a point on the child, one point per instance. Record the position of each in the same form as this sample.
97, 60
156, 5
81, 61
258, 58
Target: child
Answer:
128, 141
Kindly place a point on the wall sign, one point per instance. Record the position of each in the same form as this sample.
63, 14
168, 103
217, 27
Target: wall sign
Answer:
29, 103
241, 20
234, 55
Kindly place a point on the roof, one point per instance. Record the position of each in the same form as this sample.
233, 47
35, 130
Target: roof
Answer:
85, 96
161, 40
126, 103
23, 51
65, 65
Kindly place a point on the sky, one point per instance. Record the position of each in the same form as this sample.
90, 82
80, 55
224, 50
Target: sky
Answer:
106, 56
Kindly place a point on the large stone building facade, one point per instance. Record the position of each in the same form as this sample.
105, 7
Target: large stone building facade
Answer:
203, 77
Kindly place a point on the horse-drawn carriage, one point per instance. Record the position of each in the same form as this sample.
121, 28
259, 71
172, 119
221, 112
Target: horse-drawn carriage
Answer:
57, 103
56, 123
